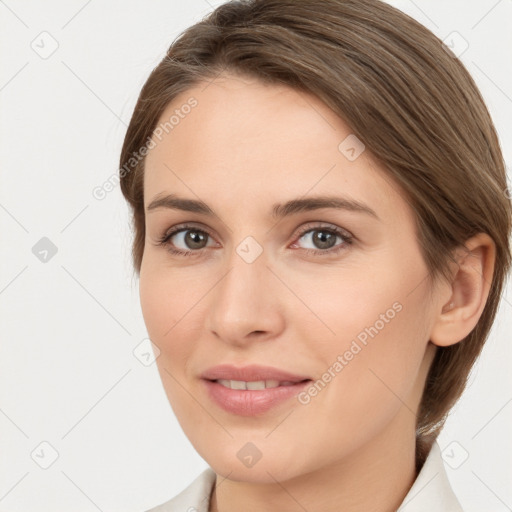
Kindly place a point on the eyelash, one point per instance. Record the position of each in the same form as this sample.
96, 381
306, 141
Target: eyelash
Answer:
347, 239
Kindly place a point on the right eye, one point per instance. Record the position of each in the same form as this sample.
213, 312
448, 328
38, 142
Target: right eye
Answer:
190, 237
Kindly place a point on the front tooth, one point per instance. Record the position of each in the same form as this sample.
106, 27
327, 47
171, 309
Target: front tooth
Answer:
256, 385
238, 384
253, 385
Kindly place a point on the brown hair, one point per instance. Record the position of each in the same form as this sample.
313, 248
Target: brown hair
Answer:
411, 102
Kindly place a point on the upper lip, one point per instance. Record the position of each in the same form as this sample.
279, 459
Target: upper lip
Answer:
250, 373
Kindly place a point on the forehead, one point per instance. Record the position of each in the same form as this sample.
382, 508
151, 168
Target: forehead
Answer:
244, 139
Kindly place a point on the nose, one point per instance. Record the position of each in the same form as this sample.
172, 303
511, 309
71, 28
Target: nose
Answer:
247, 304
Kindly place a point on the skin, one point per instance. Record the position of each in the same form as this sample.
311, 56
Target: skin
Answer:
244, 147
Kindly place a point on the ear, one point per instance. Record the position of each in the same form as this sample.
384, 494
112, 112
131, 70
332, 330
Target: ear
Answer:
464, 299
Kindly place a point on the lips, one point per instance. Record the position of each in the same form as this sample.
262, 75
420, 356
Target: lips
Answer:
251, 390
252, 373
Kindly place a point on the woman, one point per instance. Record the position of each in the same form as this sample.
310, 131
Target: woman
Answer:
322, 228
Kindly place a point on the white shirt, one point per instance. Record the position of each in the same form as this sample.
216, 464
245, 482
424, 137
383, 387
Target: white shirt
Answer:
431, 491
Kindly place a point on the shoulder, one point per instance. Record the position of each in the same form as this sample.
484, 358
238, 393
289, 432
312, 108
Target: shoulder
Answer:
194, 498
432, 489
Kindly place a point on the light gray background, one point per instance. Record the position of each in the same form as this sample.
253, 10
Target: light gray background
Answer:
68, 374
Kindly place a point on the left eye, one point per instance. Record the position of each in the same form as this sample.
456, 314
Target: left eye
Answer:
323, 240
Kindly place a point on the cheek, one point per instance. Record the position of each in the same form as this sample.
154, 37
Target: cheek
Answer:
167, 307
173, 326
373, 337
342, 304
380, 366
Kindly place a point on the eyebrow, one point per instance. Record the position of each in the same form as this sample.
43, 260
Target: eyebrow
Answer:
279, 210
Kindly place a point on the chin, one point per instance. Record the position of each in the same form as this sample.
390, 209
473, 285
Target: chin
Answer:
244, 462
260, 473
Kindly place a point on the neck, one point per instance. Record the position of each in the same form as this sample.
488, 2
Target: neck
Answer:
373, 478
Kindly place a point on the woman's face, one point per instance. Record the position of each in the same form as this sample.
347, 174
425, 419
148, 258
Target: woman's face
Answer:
338, 295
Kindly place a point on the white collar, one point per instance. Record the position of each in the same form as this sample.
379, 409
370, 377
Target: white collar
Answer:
430, 491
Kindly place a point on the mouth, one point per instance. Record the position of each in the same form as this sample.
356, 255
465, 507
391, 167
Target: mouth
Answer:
253, 398
253, 375
251, 390
256, 385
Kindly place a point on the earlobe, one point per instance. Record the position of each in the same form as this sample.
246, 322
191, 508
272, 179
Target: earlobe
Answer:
467, 293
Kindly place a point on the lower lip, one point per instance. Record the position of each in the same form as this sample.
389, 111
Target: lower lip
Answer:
251, 402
